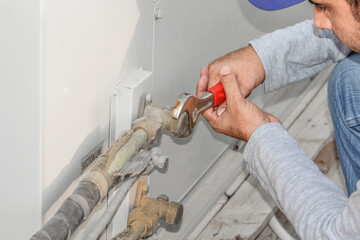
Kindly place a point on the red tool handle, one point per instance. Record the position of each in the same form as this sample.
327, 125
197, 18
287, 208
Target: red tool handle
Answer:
218, 93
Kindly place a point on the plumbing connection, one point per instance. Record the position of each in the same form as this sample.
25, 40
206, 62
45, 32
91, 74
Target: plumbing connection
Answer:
121, 162
144, 218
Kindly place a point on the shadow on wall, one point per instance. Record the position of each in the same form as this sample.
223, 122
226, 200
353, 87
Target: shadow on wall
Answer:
72, 170
269, 21
138, 55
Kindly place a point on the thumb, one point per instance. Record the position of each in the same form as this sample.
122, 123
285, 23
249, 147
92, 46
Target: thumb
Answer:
272, 118
230, 84
203, 83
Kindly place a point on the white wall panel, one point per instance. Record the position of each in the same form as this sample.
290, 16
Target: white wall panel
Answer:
89, 45
20, 122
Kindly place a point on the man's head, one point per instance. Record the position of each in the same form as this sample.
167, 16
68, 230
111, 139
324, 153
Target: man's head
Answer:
355, 8
341, 16
280, 4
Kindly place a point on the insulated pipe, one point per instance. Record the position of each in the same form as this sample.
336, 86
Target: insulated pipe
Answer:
92, 189
136, 141
71, 213
96, 183
111, 209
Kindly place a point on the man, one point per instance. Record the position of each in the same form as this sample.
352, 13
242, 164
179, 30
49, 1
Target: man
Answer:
314, 204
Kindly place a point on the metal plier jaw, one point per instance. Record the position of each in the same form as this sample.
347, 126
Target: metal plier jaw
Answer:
193, 107
188, 108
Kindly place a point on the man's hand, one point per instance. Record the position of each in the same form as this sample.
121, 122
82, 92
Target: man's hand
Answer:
246, 65
240, 117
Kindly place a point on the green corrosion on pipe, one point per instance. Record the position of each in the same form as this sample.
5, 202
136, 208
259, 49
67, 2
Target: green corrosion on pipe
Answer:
136, 141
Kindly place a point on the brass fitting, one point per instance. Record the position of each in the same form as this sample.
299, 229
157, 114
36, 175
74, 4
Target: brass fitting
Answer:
155, 120
144, 218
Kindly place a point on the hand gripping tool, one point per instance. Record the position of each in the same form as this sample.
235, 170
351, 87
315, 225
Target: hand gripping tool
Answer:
193, 106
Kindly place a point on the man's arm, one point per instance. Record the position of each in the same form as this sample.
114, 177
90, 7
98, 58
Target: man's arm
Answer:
282, 57
297, 52
313, 203
246, 65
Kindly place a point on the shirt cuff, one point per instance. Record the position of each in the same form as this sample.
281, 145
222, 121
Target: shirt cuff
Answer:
261, 51
261, 134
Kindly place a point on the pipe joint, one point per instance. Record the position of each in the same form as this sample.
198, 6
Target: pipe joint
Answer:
159, 160
152, 123
155, 120
145, 217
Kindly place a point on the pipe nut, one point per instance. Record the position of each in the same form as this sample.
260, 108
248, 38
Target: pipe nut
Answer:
181, 127
159, 13
174, 213
147, 217
161, 161
148, 98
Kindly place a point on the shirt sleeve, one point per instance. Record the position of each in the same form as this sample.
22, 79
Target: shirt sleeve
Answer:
297, 52
314, 204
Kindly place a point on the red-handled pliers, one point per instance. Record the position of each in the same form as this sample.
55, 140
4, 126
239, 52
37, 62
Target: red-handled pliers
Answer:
194, 106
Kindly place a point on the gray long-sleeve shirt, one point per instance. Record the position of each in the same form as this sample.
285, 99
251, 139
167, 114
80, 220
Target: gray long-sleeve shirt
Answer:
313, 203
297, 52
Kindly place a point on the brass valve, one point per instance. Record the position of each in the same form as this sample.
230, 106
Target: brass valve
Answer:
144, 218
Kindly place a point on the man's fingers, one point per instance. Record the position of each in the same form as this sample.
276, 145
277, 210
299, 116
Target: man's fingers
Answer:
272, 118
204, 71
202, 84
231, 87
221, 108
210, 115
213, 75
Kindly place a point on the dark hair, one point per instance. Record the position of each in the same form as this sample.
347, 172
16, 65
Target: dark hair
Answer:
355, 9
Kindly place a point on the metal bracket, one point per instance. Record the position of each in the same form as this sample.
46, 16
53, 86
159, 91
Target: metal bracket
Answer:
145, 100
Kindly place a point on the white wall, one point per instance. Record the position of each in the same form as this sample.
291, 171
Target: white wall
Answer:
20, 122
89, 45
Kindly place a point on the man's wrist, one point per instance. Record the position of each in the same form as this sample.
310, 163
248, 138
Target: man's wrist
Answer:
259, 67
261, 134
